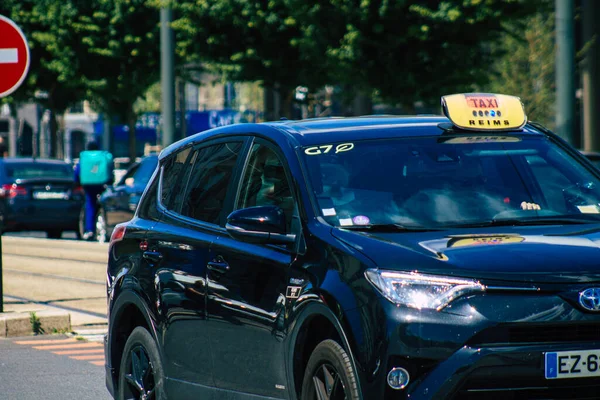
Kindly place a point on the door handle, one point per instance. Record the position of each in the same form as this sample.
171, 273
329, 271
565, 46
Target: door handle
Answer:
219, 266
152, 256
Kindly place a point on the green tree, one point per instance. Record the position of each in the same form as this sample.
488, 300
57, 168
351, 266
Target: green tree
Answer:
527, 68
123, 57
55, 55
406, 50
105, 50
247, 41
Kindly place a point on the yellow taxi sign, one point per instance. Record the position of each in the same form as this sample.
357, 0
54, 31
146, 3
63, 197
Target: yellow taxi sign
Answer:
484, 111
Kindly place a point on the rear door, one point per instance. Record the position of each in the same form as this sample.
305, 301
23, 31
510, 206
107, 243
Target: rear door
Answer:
180, 244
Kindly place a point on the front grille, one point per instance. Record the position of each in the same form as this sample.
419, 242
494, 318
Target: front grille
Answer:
537, 333
510, 389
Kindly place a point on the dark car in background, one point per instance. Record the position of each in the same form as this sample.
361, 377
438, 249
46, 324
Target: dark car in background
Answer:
118, 202
39, 195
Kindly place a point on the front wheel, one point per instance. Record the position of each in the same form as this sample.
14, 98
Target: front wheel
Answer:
329, 374
141, 375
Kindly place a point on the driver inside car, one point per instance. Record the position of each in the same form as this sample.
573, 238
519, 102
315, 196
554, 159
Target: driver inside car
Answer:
451, 185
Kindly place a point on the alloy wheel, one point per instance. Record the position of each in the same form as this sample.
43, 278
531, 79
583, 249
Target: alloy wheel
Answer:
328, 383
139, 376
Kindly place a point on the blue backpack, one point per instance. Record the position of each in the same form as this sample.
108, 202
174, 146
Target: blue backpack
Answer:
95, 167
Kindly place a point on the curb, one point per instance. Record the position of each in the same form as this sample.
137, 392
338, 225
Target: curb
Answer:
21, 324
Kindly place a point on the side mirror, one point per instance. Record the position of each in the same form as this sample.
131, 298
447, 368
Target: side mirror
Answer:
264, 224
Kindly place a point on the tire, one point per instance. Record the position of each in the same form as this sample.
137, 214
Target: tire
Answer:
329, 371
54, 234
142, 351
100, 232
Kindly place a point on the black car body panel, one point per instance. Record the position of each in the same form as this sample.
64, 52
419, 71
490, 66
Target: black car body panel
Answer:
238, 319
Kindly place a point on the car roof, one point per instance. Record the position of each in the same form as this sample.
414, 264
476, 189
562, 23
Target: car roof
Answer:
315, 131
309, 132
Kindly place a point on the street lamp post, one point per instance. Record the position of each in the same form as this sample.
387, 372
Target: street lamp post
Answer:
167, 68
565, 70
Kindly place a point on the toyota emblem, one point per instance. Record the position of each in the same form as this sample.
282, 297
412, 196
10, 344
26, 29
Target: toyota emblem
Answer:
590, 299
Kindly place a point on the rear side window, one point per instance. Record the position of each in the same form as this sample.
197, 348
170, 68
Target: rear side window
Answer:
37, 170
209, 181
148, 208
173, 185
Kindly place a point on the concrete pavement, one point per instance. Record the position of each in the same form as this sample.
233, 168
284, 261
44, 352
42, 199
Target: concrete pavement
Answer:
61, 281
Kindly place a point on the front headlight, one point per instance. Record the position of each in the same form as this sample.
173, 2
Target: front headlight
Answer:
421, 291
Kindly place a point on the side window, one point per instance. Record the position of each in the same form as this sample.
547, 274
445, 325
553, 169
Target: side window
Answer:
209, 181
148, 208
265, 182
173, 184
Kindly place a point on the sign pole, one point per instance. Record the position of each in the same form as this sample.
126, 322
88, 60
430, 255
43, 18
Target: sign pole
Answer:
14, 65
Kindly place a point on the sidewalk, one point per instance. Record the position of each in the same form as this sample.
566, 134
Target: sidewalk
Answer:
17, 320
55, 286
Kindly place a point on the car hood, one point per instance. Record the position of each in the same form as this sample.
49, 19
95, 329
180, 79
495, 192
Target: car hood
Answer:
549, 254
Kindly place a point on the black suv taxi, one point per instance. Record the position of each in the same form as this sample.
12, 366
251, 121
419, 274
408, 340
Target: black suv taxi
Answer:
452, 257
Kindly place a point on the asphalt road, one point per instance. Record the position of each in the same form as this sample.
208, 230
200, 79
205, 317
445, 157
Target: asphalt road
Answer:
27, 373
65, 274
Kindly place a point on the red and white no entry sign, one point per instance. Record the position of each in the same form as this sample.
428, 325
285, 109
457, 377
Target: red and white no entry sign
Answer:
14, 56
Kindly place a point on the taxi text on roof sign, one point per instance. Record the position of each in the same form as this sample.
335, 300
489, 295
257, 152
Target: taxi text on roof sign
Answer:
484, 111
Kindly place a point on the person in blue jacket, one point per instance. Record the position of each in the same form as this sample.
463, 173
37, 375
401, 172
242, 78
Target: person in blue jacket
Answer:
92, 193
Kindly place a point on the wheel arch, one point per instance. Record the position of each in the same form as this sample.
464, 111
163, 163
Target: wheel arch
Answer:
317, 321
128, 312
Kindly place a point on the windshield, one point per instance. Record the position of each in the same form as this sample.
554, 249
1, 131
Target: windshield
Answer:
37, 170
449, 181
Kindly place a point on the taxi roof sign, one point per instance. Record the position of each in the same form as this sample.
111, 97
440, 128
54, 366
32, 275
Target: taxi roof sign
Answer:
484, 111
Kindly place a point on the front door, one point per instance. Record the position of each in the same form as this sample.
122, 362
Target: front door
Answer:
247, 289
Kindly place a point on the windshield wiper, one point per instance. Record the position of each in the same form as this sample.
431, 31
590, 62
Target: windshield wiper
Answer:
527, 222
389, 228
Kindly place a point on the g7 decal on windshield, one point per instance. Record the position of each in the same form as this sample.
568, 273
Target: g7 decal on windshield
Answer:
327, 148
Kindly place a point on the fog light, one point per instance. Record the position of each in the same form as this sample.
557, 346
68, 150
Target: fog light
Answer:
398, 378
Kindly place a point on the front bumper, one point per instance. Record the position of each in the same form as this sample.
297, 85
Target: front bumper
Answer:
489, 346
512, 372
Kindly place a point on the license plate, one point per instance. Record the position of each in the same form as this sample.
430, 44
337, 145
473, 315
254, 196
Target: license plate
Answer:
50, 196
572, 364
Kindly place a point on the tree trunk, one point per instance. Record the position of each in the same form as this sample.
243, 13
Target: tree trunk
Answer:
270, 103
362, 105
131, 120
53, 134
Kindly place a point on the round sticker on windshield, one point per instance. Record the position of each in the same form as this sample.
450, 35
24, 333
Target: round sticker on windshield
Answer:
361, 220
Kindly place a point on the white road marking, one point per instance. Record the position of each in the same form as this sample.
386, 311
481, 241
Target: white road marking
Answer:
9, 56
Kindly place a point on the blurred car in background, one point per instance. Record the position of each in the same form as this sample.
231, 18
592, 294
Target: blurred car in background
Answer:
39, 195
118, 202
